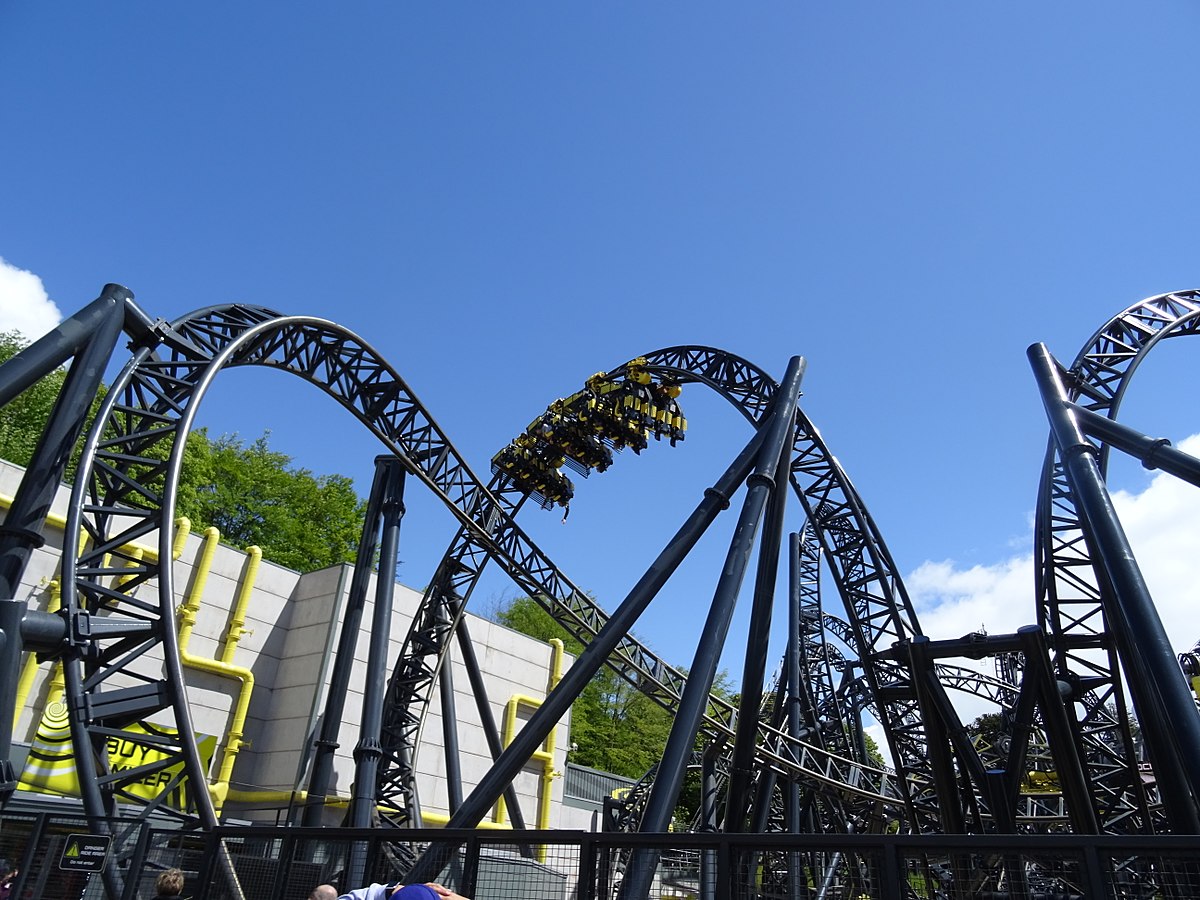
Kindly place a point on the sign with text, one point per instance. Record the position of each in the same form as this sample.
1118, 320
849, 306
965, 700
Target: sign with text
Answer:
50, 766
85, 852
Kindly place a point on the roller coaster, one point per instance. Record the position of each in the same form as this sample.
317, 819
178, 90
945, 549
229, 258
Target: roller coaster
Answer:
789, 757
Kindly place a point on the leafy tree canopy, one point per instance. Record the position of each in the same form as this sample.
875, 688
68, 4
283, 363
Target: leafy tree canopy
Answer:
616, 727
24, 419
874, 756
254, 496
250, 492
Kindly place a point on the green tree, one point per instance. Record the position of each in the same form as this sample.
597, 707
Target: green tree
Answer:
987, 727
251, 493
616, 727
873, 755
254, 496
24, 419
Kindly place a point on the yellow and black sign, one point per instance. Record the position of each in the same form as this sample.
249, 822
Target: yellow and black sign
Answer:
50, 767
85, 852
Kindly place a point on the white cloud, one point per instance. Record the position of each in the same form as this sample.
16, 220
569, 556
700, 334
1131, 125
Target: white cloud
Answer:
24, 304
951, 602
1162, 523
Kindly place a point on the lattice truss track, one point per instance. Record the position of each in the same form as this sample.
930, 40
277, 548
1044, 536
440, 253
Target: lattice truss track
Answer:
125, 493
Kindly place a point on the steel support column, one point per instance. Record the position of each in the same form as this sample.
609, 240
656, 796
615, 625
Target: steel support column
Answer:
758, 636
576, 678
368, 750
339, 683
90, 337
760, 485
450, 753
1166, 711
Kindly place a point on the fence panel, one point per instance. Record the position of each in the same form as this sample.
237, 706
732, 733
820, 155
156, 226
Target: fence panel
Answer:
249, 863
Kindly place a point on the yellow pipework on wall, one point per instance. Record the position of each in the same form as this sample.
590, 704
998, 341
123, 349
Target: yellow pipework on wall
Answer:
544, 755
432, 818
240, 795
237, 616
183, 528
219, 788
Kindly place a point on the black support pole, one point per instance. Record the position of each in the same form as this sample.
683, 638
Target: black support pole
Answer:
778, 430
488, 721
1154, 453
791, 790
90, 336
450, 752
1072, 775
1165, 707
368, 750
708, 821
754, 667
547, 716
71, 335
339, 683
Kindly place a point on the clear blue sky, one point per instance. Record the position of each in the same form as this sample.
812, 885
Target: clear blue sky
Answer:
505, 198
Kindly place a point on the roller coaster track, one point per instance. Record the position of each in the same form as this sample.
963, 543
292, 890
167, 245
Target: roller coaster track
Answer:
123, 662
123, 665
876, 604
1070, 586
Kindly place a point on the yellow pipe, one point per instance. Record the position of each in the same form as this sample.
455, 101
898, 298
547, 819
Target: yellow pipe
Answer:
219, 788
151, 553
237, 616
544, 755
432, 818
239, 795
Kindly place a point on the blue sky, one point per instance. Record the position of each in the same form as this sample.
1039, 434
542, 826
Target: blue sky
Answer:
506, 198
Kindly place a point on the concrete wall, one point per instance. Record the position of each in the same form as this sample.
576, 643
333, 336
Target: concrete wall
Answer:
287, 645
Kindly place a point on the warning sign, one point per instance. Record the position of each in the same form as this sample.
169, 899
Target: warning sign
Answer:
85, 852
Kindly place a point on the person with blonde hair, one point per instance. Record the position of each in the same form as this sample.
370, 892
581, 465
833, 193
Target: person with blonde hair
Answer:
168, 885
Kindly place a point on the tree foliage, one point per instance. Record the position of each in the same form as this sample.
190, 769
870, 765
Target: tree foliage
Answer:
616, 728
874, 756
24, 419
987, 727
254, 496
250, 492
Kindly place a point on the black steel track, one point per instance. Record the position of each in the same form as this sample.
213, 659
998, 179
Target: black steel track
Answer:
1069, 586
123, 665
876, 606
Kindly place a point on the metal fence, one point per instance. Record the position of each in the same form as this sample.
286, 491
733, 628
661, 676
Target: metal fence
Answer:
253, 863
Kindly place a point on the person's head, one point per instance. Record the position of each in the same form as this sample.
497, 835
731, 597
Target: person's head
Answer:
169, 883
323, 892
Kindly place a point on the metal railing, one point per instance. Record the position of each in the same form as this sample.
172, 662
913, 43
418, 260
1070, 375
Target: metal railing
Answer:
249, 863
